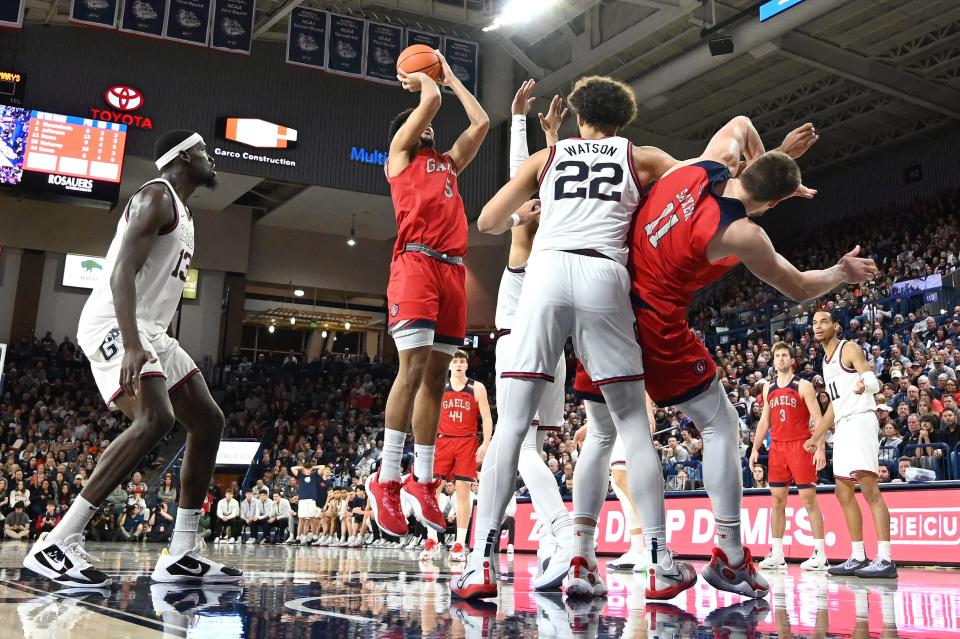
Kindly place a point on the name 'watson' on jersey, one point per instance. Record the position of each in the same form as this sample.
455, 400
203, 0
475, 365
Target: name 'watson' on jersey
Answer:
589, 193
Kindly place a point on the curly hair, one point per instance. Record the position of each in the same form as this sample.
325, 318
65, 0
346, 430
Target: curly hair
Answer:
603, 102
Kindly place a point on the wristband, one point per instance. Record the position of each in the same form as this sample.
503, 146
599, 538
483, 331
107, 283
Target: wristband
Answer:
514, 220
870, 382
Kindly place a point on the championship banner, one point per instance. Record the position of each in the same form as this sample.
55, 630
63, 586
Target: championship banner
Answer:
924, 524
384, 43
11, 14
97, 13
462, 56
307, 38
144, 17
188, 21
232, 26
345, 45
432, 40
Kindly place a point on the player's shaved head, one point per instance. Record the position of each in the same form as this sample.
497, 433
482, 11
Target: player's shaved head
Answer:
603, 103
774, 176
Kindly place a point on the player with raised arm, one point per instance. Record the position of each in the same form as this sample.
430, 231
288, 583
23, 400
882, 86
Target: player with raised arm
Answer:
576, 284
555, 523
697, 224
144, 372
426, 293
851, 384
789, 405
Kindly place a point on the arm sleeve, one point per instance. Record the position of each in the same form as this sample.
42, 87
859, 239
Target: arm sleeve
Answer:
518, 143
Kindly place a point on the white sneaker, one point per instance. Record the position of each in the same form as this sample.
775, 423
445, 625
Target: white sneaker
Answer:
818, 561
554, 574
457, 553
251, 540
546, 549
191, 566
233, 540
430, 551
509, 550
583, 579
65, 562
478, 580
773, 561
626, 561
216, 541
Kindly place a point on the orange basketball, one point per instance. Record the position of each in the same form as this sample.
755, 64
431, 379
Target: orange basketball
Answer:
420, 58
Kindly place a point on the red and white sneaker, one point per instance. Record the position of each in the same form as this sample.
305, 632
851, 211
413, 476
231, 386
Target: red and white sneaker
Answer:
583, 579
479, 580
385, 501
666, 584
422, 498
742, 579
430, 550
457, 553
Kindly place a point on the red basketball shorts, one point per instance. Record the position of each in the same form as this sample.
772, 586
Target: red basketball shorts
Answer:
456, 458
789, 462
427, 293
677, 364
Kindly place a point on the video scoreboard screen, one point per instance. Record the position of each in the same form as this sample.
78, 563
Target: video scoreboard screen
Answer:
51, 155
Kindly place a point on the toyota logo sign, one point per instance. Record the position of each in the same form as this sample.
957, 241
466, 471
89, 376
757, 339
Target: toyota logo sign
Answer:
123, 98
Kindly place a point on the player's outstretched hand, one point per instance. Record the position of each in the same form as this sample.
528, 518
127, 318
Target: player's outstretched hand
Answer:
810, 445
522, 101
800, 140
133, 361
857, 270
529, 212
413, 82
554, 118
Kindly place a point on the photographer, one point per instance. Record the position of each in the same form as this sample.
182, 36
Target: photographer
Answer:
48, 519
103, 526
131, 524
161, 523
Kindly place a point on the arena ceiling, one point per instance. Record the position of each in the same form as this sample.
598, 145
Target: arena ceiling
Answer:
868, 73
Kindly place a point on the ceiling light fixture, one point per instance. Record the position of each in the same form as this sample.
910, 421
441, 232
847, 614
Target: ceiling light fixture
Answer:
346, 326
517, 11
293, 320
271, 329
298, 292
353, 232
323, 334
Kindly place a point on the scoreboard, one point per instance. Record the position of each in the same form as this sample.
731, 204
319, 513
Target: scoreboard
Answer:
47, 154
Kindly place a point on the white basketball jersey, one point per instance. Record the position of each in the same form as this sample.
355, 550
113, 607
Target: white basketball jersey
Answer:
840, 382
589, 193
159, 282
511, 283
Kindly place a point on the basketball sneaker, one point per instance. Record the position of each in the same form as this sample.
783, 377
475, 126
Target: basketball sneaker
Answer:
422, 498
626, 561
667, 583
430, 551
742, 579
556, 571
192, 567
848, 568
385, 501
583, 579
818, 562
546, 549
774, 561
478, 580
878, 569
65, 562
457, 553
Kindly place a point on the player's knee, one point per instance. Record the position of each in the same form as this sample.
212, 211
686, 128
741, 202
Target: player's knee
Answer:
779, 501
156, 422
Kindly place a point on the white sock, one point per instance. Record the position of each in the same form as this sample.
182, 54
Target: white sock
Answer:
393, 441
655, 548
728, 540
74, 522
857, 552
636, 542
883, 550
583, 538
819, 546
185, 531
462, 537
778, 546
423, 463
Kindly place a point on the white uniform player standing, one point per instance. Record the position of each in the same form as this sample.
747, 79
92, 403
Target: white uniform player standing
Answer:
851, 384
576, 285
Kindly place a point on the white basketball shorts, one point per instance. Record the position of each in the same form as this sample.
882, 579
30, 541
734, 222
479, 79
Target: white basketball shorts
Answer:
173, 363
583, 297
856, 446
549, 415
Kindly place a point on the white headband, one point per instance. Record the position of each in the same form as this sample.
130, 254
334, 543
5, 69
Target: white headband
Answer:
168, 157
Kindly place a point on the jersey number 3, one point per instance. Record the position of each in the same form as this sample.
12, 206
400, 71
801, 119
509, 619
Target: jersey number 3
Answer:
184, 260
602, 172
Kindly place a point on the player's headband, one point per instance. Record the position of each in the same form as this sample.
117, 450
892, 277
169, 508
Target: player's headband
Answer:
168, 157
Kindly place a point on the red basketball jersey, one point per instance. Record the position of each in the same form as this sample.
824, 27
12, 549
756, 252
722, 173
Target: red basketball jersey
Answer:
459, 412
789, 416
427, 204
668, 261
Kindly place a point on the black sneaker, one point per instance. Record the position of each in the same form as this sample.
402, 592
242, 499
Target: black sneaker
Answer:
879, 569
66, 563
848, 568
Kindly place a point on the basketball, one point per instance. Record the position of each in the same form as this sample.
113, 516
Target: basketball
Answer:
420, 58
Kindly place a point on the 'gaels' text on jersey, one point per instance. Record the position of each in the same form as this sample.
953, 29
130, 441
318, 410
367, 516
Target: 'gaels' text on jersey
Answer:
459, 412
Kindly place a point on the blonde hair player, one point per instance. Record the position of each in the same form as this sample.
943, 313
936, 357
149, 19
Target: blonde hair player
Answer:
851, 384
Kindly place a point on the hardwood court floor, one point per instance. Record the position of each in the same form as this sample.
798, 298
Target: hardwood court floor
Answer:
293, 592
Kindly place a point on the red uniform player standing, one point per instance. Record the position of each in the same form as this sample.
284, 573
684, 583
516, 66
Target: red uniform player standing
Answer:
425, 296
